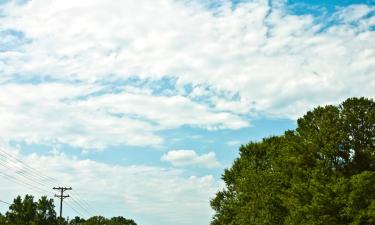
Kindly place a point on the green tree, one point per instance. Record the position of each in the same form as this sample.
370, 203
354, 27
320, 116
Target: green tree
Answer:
121, 221
77, 221
321, 173
28, 212
45, 212
2, 219
100, 220
97, 220
22, 212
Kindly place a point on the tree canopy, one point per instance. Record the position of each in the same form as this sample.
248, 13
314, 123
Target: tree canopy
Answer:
323, 172
26, 211
99, 220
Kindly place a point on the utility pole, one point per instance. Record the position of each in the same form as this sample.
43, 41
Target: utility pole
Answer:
61, 196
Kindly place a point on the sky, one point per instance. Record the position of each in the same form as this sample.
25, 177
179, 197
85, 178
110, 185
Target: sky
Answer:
139, 106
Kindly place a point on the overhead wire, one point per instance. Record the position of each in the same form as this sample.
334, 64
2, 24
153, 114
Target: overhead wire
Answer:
21, 172
74, 201
35, 175
50, 180
88, 205
76, 211
32, 170
80, 201
84, 204
32, 187
21, 182
7, 203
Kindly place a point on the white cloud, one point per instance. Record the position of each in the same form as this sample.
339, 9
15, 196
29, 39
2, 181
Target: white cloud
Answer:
150, 195
190, 158
167, 111
73, 114
47, 113
279, 64
354, 13
234, 143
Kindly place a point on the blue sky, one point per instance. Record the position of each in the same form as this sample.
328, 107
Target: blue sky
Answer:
141, 105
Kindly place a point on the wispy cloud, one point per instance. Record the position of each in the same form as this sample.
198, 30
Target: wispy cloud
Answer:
238, 62
73, 114
233, 143
279, 64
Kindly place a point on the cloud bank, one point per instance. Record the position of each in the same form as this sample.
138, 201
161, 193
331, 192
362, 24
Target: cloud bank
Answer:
226, 64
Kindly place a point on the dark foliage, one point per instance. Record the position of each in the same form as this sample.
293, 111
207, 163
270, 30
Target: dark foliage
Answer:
321, 173
28, 212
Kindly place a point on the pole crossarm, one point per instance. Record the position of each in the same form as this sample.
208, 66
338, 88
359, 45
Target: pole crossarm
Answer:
64, 196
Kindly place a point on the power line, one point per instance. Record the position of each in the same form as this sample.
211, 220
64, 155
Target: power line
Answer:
18, 166
32, 187
23, 173
7, 203
37, 173
85, 204
36, 176
18, 181
76, 211
32, 170
77, 203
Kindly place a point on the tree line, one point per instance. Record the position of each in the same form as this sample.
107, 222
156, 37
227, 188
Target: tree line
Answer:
323, 172
26, 211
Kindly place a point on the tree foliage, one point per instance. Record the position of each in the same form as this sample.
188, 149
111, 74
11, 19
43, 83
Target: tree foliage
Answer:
100, 220
77, 221
119, 220
321, 173
2, 219
26, 211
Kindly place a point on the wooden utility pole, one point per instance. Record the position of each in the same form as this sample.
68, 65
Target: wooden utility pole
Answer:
61, 196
